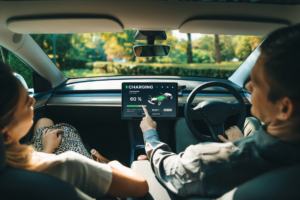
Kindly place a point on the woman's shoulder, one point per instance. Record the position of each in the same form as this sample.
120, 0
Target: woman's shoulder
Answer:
73, 161
91, 177
63, 158
48, 161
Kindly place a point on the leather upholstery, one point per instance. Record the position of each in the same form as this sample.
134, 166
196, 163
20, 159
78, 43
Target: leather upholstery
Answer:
21, 184
282, 183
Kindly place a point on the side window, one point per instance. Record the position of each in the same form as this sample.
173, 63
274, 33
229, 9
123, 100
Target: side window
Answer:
18, 66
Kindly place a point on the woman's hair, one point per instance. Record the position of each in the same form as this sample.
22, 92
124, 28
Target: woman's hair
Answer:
18, 156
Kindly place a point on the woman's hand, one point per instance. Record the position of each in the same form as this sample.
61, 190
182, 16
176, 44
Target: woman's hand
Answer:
147, 122
233, 133
50, 140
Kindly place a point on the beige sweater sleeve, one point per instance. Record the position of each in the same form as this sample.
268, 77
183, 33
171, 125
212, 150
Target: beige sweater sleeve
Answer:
90, 177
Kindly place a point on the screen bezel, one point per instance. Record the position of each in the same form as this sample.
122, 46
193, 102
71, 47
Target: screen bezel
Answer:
156, 118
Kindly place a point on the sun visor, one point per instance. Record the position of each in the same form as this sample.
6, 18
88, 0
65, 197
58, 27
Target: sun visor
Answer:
225, 27
76, 25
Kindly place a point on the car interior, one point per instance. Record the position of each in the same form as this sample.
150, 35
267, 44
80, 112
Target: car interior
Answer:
98, 106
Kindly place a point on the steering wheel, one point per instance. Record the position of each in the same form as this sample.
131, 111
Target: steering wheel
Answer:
214, 112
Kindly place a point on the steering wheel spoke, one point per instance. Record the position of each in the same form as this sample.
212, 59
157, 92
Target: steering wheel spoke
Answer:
217, 130
234, 108
197, 114
214, 111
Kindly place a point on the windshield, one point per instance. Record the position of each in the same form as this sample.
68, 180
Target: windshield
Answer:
111, 54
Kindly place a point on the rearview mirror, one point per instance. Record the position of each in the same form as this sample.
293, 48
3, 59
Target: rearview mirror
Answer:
151, 50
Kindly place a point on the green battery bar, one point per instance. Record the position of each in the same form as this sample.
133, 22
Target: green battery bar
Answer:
136, 106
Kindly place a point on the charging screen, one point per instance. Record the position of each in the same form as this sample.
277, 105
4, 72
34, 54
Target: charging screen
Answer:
160, 99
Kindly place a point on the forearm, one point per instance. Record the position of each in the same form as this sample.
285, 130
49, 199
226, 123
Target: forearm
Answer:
48, 150
166, 165
126, 182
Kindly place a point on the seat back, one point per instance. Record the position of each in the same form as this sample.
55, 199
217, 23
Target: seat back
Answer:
282, 183
22, 184
279, 184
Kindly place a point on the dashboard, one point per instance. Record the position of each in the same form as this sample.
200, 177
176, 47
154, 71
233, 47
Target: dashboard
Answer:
108, 92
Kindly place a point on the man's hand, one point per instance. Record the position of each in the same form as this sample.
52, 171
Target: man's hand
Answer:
233, 133
50, 140
147, 122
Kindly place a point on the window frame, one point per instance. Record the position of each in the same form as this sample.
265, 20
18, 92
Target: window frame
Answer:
30, 89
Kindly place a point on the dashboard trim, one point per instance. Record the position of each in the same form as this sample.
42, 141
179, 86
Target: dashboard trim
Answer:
115, 101
40, 103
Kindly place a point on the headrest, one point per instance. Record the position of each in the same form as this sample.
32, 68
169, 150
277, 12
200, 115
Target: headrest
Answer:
2, 153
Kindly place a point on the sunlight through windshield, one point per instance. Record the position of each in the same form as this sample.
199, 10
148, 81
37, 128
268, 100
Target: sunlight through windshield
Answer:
111, 54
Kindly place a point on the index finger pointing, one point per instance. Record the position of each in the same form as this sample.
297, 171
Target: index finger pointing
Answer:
146, 111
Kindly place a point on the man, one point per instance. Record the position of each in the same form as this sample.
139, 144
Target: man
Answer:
212, 169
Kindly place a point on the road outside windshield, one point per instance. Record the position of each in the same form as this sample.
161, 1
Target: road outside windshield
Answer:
111, 54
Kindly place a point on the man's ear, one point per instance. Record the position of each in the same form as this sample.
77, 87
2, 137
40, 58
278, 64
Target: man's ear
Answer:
287, 109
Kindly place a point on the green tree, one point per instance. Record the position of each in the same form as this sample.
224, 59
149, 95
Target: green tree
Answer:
244, 45
19, 67
227, 50
218, 48
189, 51
207, 45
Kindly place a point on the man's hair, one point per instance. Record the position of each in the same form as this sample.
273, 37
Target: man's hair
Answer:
282, 63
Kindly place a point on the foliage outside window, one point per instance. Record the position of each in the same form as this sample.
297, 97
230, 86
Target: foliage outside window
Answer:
111, 54
19, 67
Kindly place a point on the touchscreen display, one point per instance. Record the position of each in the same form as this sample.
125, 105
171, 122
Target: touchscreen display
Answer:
160, 99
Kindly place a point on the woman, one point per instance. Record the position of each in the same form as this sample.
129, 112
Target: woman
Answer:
93, 178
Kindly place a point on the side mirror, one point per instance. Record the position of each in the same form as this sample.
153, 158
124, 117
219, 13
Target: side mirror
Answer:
151, 50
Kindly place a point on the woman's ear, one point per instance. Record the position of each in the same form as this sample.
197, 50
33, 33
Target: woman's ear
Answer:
6, 137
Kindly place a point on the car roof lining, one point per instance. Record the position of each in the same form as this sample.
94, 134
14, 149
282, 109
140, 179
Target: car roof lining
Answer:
148, 15
229, 27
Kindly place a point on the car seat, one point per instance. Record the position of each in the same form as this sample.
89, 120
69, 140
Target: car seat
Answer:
23, 184
283, 183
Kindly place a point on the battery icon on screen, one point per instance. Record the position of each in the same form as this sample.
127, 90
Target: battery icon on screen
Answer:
139, 106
